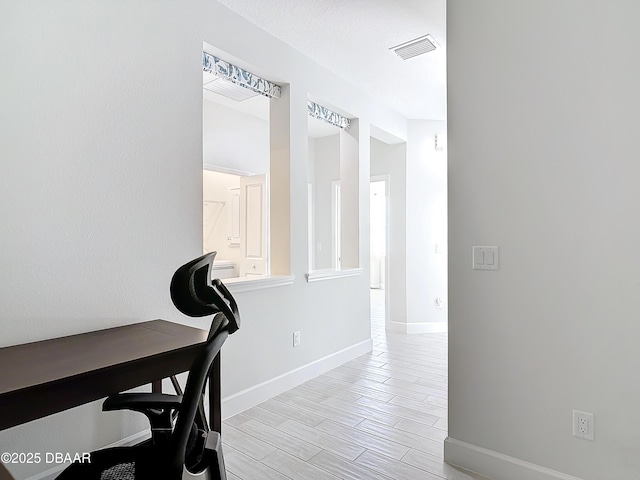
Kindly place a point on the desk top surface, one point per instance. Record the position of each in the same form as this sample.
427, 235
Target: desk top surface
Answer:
29, 364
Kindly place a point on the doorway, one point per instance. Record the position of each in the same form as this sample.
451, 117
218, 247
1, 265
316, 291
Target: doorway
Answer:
378, 250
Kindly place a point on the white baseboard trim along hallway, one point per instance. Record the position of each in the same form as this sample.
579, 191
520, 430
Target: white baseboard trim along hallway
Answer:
257, 394
496, 465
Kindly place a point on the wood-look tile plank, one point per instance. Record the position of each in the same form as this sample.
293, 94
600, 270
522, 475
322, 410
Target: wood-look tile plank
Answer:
404, 438
437, 401
365, 372
425, 461
393, 468
394, 390
338, 445
321, 409
295, 468
345, 469
453, 473
231, 476
247, 468
364, 439
397, 372
304, 391
236, 419
333, 388
416, 387
430, 383
434, 465
280, 439
290, 412
391, 364
400, 411
347, 377
362, 410
246, 444
343, 389
421, 429
264, 416
367, 359
442, 424
420, 406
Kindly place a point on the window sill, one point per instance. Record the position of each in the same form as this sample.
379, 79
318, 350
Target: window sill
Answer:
247, 284
317, 275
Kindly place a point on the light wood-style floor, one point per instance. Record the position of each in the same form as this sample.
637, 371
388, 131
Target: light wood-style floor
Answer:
381, 416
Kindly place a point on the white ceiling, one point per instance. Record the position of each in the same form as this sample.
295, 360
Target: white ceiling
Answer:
352, 38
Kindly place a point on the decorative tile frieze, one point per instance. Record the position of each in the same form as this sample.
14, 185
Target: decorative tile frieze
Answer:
239, 76
323, 113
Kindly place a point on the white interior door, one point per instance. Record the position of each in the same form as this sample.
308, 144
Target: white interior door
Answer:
254, 232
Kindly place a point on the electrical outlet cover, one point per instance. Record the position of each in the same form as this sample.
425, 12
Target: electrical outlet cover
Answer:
583, 425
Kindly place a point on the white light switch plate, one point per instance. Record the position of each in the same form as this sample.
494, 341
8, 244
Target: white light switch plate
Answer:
485, 258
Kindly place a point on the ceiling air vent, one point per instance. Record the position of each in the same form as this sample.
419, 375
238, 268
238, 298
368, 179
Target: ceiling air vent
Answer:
415, 47
229, 89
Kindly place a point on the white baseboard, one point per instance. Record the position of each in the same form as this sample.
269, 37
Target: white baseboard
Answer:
53, 472
410, 328
496, 465
257, 394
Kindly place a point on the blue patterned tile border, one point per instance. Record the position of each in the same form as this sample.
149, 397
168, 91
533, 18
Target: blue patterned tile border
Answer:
326, 115
239, 76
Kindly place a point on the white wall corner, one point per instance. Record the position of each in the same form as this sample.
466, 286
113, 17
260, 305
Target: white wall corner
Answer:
496, 465
250, 397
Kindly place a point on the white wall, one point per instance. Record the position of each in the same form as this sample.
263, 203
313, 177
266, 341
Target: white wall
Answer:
392, 160
543, 162
101, 190
426, 189
234, 140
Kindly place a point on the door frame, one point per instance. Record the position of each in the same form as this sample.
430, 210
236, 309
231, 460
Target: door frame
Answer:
386, 178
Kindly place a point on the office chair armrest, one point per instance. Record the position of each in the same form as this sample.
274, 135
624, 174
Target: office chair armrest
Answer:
141, 401
157, 407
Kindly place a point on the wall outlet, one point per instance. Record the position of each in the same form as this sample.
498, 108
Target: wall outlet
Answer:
296, 339
583, 425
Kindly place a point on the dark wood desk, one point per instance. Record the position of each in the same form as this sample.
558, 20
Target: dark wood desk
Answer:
41, 378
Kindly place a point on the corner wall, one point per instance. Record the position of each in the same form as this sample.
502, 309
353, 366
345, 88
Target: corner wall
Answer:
543, 162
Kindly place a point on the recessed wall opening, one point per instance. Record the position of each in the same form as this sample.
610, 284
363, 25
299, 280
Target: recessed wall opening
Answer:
333, 156
236, 164
242, 145
323, 184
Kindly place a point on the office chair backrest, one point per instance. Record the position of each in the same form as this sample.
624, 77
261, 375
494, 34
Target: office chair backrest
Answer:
194, 294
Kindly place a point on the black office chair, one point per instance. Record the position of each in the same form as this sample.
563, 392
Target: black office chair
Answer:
182, 445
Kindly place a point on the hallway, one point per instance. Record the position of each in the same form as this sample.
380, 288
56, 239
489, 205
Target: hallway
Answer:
380, 416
